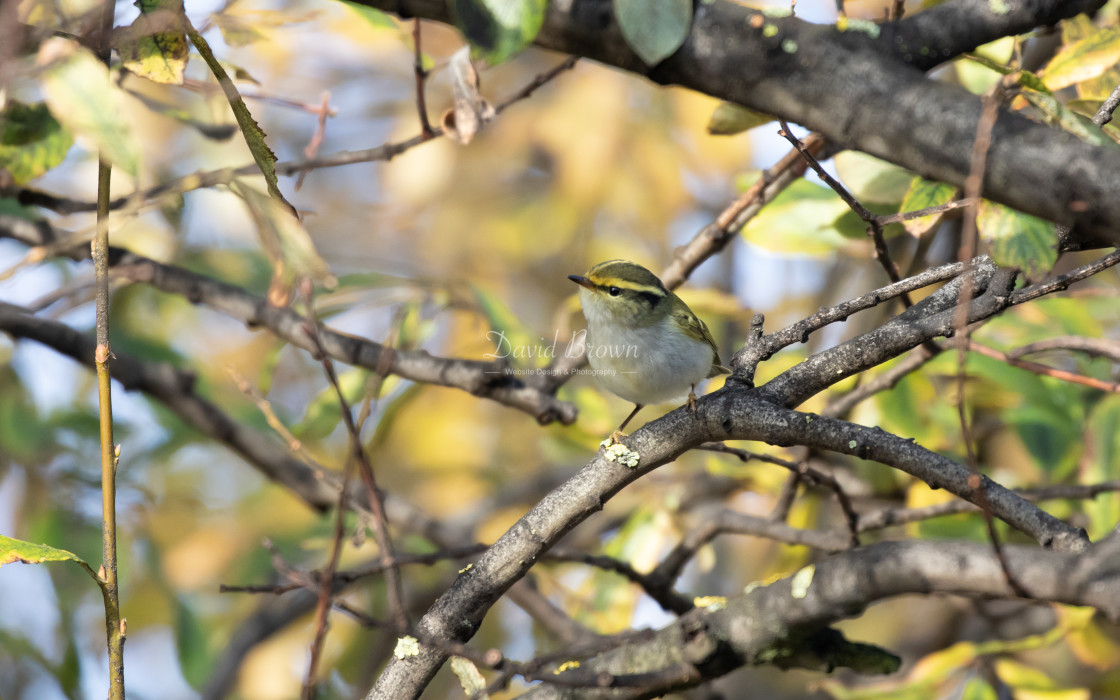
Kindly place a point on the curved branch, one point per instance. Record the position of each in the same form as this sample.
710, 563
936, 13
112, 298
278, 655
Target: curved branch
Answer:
785, 623
730, 413
844, 83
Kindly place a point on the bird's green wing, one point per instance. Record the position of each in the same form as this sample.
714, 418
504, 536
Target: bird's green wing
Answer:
697, 329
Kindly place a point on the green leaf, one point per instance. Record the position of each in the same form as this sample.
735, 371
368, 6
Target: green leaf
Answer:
1025, 77
498, 29
158, 56
31, 140
1076, 124
323, 412
800, 220
922, 194
12, 207
81, 96
1102, 458
191, 643
871, 180
979, 689
22, 431
1084, 59
508, 336
729, 118
654, 29
1017, 239
12, 550
254, 135
377, 18
283, 236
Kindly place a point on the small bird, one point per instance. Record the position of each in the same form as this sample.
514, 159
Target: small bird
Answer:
644, 343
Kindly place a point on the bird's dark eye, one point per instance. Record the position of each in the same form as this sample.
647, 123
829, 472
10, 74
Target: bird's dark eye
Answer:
614, 291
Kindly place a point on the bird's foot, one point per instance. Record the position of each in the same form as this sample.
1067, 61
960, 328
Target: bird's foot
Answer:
613, 439
692, 399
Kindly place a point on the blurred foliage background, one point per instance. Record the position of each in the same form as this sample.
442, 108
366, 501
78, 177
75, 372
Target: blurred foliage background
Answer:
441, 246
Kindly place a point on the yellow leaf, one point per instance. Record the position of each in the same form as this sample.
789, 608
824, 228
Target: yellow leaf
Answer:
1084, 59
159, 56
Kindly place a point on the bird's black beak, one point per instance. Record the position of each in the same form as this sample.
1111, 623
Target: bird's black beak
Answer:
582, 281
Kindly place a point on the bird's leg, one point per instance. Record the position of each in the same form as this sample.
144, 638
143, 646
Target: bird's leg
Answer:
692, 398
618, 435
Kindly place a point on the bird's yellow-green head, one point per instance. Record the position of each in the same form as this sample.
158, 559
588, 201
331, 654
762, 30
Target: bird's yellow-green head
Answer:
623, 292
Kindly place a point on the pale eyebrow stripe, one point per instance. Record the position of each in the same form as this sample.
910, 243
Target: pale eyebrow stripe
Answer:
623, 284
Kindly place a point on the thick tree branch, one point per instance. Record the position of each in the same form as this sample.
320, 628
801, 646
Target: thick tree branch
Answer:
785, 623
843, 83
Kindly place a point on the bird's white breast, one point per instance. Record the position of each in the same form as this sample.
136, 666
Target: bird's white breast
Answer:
647, 365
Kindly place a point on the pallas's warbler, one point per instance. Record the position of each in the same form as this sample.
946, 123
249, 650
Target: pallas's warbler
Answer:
644, 343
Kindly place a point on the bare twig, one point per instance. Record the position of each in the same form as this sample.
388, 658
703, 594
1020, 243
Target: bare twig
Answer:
421, 76
874, 228
973, 186
1104, 114
312, 148
804, 472
223, 176
768, 345
110, 454
1095, 347
884, 219
711, 239
394, 588
889, 516
887, 380
657, 587
1064, 375
1063, 281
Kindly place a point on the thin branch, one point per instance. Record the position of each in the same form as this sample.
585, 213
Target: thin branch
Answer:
421, 77
1062, 282
1094, 347
1064, 375
312, 148
1104, 114
714, 237
917, 358
295, 445
480, 378
884, 219
890, 516
659, 588
224, 176
374, 568
538, 81
767, 345
110, 454
874, 227
326, 584
973, 186
395, 589
804, 472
